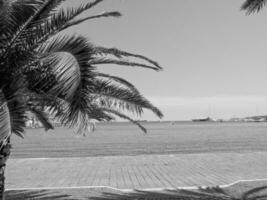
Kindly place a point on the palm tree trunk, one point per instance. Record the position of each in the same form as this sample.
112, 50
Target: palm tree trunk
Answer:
4, 154
2, 182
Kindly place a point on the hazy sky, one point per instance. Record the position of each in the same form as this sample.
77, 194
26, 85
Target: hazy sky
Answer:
214, 56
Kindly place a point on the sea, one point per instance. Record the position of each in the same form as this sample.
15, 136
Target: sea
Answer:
123, 138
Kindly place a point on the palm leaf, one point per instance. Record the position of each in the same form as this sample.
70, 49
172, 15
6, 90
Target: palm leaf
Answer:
101, 61
75, 78
71, 114
42, 117
57, 23
252, 6
123, 116
65, 72
119, 80
49, 10
84, 124
15, 94
119, 54
44, 16
78, 21
41, 7
69, 57
13, 15
119, 94
12, 113
78, 116
5, 123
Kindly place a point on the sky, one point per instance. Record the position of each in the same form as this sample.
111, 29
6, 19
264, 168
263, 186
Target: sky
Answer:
214, 56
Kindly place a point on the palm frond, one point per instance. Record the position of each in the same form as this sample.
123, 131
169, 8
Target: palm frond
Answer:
53, 105
13, 110
119, 54
101, 61
40, 7
39, 75
69, 57
78, 116
75, 112
123, 116
49, 10
43, 17
57, 23
42, 117
106, 89
117, 104
5, 123
70, 113
118, 80
252, 6
13, 15
65, 75
84, 124
16, 98
78, 84
78, 21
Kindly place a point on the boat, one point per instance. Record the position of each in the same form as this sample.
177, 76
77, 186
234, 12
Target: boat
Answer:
208, 119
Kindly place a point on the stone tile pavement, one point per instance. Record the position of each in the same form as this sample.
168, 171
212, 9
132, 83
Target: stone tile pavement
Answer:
137, 172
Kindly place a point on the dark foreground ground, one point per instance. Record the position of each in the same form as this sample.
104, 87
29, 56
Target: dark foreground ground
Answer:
240, 191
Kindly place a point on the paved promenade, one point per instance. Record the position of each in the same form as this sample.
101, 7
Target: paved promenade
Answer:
144, 171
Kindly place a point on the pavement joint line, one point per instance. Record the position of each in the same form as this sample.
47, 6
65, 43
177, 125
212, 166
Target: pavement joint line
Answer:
106, 156
137, 189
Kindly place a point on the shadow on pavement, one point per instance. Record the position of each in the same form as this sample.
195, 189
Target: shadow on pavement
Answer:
32, 195
207, 194
214, 193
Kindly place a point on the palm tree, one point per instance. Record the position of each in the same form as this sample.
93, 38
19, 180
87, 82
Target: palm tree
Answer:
46, 72
252, 6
